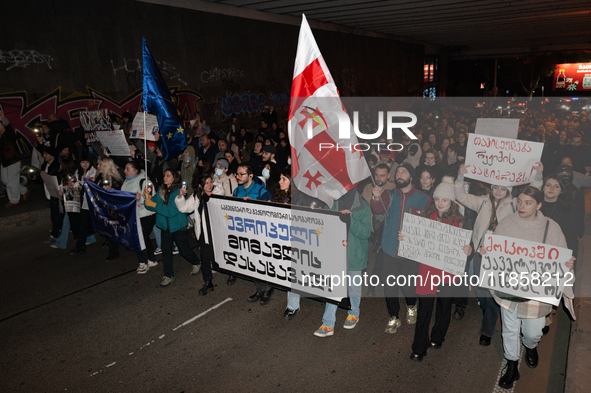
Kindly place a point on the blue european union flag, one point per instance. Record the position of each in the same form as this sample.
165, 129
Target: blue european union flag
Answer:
114, 215
157, 100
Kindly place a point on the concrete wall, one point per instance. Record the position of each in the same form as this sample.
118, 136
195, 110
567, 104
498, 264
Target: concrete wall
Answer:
215, 59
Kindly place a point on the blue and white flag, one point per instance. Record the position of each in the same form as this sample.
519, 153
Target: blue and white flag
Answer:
114, 214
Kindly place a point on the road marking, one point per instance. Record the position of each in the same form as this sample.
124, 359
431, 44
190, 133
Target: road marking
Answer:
202, 314
196, 317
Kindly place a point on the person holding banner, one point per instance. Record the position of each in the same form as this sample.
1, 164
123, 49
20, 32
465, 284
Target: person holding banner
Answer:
109, 178
491, 209
203, 187
442, 208
173, 225
521, 315
135, 182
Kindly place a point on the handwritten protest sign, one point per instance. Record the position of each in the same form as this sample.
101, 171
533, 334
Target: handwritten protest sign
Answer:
114, 143
525, 269
502, 161
505, 128
93, 121
137, 127
434, 243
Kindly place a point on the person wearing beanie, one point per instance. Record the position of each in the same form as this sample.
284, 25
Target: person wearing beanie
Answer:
442, 208
491, 209
404, 199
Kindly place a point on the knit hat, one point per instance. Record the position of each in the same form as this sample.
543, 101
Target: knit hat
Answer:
409, 168
564, 168
269, 149
51, 151
445, 189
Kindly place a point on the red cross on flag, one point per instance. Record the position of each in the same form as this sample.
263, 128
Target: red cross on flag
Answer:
325, 163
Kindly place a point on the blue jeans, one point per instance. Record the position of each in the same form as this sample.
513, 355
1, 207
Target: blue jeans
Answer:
329, 318
293, 301
158, 236
530, 327
490, 308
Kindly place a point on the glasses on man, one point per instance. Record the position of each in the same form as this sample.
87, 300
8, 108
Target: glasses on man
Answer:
241, 174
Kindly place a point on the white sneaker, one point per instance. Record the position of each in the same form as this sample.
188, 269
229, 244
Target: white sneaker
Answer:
175, 250
143, 268
158, 251
152, 263
393, 324
166, 281
411, 314
196, 269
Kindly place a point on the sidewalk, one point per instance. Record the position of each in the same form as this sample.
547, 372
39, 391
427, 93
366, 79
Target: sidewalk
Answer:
27, 216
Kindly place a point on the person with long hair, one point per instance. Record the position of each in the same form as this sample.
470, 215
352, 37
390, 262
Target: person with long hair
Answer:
427, 180
283, 190
203, 188
491, 209
173, 225
526, 317
135, 182
69, 190
86, 172
109, 178
442, 208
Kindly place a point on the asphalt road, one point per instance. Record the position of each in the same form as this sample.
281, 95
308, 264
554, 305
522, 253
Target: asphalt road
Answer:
81, 324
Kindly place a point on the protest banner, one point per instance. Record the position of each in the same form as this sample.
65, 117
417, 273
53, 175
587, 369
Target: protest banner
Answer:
504, 128
51, 185
525, 269
295, 248
434, 243
137, 127
502, 161
93, 121
114, 215
114, 143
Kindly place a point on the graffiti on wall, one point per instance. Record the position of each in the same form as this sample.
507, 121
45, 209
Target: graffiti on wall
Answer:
251, 103
133, 70
25, 117
217, 74
23, 58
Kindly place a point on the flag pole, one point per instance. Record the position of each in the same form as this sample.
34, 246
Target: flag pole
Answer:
145, 151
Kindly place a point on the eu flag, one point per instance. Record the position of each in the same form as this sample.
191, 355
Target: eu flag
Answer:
157, 100
114, 215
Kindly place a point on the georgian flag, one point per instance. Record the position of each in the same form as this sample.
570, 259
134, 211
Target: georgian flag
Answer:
319, 169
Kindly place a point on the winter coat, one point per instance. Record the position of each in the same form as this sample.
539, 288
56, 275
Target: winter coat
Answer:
255, 191
168, 216
136, 185
190, 205
359, 233
483, 206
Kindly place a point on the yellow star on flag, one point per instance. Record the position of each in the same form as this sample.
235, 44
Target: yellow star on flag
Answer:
169, 135
179, 130
226, 216
317, 231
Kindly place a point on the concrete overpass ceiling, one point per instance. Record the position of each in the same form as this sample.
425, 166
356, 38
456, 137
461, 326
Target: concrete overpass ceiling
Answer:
469, 28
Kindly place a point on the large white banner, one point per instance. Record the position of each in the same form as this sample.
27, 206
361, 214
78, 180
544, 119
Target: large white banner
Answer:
434, 243
505, 128
137, 127
299, 249
114, 143
502, 161
525, 269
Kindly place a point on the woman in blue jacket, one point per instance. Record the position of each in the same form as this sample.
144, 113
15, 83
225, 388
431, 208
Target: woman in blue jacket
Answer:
173, 224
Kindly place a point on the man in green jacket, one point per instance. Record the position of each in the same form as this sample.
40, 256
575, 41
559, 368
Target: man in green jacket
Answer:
357, 212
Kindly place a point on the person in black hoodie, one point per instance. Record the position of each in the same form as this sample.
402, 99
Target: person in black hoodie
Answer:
51, 166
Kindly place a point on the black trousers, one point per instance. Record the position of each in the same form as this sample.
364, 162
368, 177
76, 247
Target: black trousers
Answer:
181, 239
206, 254
85, 229
57, 218
444, 300
400, 271
147, 254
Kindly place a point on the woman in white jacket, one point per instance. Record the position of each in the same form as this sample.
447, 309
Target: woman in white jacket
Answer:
135, 182
203, 188
491, 209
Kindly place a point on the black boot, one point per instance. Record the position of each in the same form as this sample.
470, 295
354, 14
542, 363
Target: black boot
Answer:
207, 287
531, 357
511, 375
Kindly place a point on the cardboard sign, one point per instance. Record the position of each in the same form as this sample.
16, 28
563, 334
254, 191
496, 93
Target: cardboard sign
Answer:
51, 185
502, 161
137, 127
504, 128
525, 269
434, 243
93, 121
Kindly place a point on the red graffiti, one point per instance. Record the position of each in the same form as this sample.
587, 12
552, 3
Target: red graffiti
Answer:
25, 116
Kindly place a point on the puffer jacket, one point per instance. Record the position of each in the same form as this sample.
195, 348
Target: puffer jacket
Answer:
135, 185
359, 233
483, 206
168, 215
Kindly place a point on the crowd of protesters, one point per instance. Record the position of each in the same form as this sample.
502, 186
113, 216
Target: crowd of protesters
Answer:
427, 178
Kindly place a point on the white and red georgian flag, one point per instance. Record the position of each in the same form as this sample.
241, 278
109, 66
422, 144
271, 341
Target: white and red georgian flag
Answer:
319, 170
